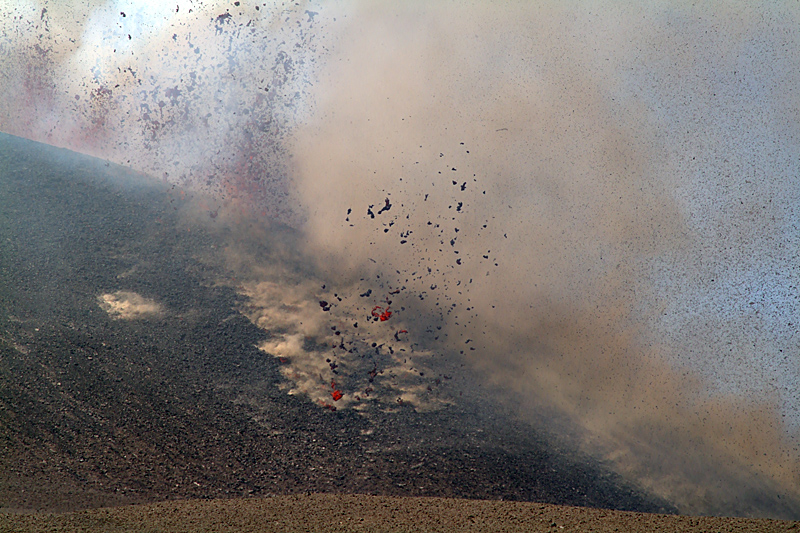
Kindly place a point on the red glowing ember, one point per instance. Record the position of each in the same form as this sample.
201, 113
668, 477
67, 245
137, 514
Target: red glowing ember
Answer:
336, 395
379, 312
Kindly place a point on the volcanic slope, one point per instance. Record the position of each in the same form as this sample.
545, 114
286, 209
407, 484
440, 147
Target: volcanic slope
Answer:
129, 375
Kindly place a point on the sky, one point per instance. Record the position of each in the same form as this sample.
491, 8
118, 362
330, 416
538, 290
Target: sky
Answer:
592, 205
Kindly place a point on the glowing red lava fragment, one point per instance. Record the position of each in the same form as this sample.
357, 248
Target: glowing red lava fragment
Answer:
336, 395
403, 331
379, 312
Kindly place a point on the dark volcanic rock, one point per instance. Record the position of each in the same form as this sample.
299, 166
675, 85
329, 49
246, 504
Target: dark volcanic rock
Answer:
97, 411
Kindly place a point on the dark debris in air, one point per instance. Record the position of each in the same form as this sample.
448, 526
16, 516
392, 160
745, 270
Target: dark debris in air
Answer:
386, 207
434, 277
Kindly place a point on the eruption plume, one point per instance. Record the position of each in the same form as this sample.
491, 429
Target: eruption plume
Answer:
591, 208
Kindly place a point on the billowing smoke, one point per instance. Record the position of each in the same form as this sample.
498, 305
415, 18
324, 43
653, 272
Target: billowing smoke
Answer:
592, 207
199, 94
607, 203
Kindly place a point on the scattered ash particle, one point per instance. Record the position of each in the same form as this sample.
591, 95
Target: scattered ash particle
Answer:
385, 207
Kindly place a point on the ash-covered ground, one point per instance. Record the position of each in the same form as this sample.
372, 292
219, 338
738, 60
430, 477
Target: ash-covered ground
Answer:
129, 373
